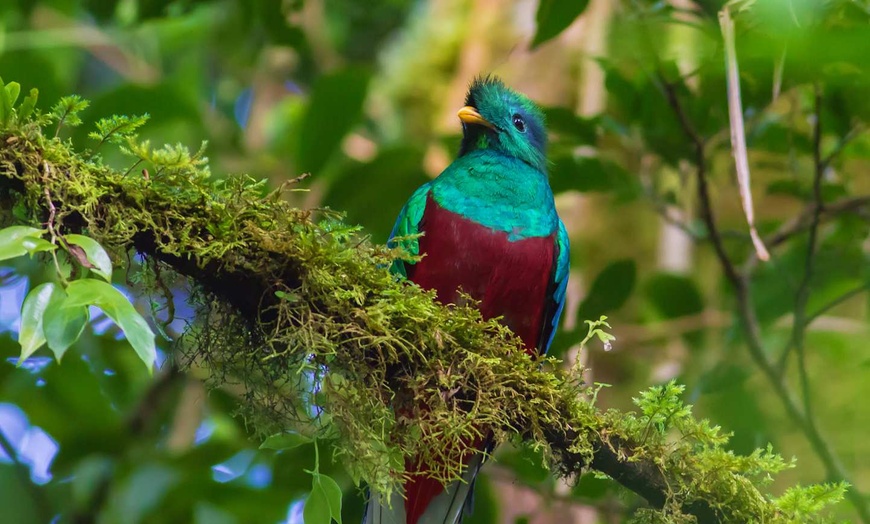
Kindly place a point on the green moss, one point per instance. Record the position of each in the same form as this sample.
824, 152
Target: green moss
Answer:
292, 302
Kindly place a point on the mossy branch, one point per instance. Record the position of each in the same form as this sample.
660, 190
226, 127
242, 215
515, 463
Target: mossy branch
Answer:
298, 308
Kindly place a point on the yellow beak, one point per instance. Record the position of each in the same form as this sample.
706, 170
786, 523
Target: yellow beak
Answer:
469, 115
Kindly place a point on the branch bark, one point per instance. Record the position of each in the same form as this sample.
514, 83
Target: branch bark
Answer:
269, 253
740, 282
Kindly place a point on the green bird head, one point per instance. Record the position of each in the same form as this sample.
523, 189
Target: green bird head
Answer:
497, 118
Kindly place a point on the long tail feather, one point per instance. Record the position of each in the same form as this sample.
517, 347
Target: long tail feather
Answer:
446, 508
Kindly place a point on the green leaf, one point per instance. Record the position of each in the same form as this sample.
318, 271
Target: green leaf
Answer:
590, 174
30, 334
13, 89
62, 324
96, 255
333, 495
610, 290
674, 295
335, 106
27, 105
286, 440
5, 105
14, 239
324, 502
316, 510
35, 245
67, 110
93, 292
118, 128
564, 122
398, 171
554, 16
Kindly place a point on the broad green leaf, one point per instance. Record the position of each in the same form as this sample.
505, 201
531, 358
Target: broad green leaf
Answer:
674, 295
316, 510
93, 292
610, 290
96, 255
554, 16
567, 124
30, 334
13, 240
324, 502
335, 106
282, 441
35, 245
333, 495
62, 324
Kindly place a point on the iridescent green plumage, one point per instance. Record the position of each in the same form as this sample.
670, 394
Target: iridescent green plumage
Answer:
490, 230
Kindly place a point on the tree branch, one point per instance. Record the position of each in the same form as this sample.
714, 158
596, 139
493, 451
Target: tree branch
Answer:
749, 322
803, 293
294, 300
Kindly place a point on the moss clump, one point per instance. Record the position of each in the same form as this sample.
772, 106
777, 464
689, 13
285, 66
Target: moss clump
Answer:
298, 309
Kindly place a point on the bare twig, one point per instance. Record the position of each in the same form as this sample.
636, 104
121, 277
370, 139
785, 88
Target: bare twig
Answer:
748, 319
52, 213
738, 131
853, 133
837, 301
800, 307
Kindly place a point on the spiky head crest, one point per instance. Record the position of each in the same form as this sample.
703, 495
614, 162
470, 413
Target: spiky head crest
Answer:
517, 123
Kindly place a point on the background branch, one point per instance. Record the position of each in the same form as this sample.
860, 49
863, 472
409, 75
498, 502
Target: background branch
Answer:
740, 284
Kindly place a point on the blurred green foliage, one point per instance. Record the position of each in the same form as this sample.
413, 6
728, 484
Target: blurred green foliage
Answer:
354, 92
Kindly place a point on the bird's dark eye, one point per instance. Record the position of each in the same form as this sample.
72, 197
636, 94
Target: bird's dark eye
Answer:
519, 123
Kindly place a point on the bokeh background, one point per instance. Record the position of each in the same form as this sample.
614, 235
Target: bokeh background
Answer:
363, 95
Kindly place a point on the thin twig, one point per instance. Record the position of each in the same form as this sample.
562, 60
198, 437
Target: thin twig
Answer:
851, 135
749, 321
52, 213
803, 294
837, 301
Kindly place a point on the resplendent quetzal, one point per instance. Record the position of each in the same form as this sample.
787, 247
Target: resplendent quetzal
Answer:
490, 229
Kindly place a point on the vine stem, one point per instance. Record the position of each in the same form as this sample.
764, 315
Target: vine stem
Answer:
52, 213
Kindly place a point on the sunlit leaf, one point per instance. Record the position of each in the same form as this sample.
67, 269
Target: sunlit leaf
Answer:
332, 494
27, 105
316, 510
610, 289
13, 240
63, 324
35, 245
93, 292
282, 441
30, 334
96, 255
554, 16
